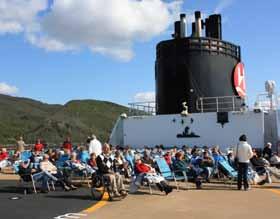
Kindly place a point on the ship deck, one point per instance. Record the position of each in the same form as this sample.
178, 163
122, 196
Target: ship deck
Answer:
215, 200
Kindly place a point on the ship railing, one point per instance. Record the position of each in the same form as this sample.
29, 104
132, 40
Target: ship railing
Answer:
220, 104
211, 45
215, 46
142, 108
267, 101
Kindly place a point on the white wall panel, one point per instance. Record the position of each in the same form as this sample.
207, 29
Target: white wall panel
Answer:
163, 129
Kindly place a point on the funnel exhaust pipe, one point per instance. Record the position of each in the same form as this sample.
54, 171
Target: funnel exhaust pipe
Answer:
198, 27
183, 27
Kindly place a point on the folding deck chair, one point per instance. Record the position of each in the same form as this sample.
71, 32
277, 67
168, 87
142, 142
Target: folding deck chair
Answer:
170, 175
232, 173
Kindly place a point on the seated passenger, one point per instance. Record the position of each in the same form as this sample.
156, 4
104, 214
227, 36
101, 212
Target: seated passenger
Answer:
129, 156
120, 165
146, 171
267, 151
105, 166
275, 160
216, 154
180, 165
261, 166
4, 158
83, 155
207, 161
207, 164
92, 161
258, 162
231, 160
35, 159
187, 153
76, 164
168, 159
147, 159
158, 151
61, 158
174, 150
52, 154
27, 171
53, 174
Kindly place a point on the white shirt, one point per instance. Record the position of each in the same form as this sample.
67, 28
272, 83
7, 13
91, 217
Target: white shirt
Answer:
243, 152
95, 147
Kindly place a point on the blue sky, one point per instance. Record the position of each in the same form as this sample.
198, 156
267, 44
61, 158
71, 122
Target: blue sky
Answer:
57, 77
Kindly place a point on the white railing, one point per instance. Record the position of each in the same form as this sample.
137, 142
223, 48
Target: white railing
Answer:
220, 104
266, 101
142, 108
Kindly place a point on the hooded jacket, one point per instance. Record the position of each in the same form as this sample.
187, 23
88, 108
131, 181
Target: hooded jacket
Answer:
243, 152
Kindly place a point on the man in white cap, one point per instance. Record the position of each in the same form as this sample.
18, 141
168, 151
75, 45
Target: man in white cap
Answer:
95, 146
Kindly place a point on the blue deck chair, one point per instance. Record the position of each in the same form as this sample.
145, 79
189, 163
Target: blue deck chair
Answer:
130, 160
25, 155
171, 175
84, 157
232, 173
60, 163
25, 179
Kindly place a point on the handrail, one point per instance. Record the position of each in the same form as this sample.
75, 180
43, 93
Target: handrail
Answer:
142, 108
218, 104
205, 44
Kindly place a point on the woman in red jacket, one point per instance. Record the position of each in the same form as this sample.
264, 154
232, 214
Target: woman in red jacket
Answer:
38, 146
4, 154
67, 144
145, 171
4, 158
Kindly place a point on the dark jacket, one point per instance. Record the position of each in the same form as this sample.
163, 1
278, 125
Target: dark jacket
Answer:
105, 164
267, 153
258, 162
179, 165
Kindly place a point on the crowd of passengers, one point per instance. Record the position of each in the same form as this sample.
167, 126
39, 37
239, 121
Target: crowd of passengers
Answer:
119, 163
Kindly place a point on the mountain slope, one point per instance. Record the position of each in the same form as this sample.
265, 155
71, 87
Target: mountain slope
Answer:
77, 119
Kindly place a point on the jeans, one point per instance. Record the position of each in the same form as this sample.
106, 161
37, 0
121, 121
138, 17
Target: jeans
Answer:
242, 175
44, 177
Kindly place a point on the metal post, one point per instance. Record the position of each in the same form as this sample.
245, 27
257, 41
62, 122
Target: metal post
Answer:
217, 103
201, 102
233, 103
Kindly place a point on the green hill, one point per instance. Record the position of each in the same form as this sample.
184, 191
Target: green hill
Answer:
77, 119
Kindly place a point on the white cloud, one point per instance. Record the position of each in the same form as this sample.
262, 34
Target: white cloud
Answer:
47, 43
223, 4
17, 15
145, 97
8, 89
108, 27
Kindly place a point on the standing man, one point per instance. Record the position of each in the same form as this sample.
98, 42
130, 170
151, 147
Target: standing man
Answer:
20, 145
95, 146
243, 153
